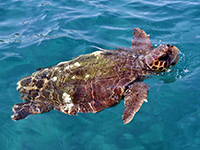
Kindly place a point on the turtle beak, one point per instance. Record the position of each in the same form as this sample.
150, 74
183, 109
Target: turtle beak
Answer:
173, 54
162, 57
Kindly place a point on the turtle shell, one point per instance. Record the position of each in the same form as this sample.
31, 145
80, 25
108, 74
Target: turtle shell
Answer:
88, 83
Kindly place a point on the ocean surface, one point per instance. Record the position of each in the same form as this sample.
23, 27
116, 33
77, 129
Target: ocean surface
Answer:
35, 33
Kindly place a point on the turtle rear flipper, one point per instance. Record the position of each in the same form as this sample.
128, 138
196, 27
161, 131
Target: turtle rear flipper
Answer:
22, 110
134, 97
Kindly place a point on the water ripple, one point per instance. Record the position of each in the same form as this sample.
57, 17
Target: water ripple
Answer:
36, 33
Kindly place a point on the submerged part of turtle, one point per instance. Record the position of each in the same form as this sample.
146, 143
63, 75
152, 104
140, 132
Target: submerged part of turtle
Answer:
92, 82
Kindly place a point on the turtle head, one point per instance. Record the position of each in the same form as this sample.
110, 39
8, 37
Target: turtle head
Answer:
162, 57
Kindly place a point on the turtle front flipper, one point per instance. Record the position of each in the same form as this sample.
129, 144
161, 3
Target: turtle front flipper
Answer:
22, 110
134, 97
141, 44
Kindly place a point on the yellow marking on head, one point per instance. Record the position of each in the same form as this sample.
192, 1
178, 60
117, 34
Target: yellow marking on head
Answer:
158, 65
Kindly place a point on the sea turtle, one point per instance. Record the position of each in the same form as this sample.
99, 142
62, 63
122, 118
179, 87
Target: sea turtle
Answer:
92, 82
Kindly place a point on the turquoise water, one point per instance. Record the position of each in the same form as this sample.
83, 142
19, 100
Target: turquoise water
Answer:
35, 33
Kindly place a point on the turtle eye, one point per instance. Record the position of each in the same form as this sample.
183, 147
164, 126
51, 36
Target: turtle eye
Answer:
164, 57
169, 51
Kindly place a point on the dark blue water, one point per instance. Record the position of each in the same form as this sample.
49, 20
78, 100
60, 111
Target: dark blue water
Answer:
35, 33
